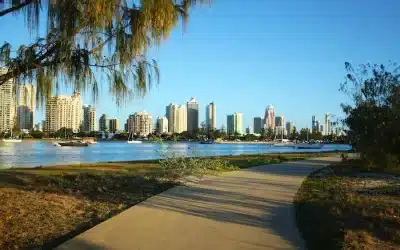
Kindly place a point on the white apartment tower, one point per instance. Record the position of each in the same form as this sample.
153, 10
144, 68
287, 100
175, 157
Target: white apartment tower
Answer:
163, 125
64, 112
211, 116
142, 124
7, 104
177, 118
26, 106
327, 125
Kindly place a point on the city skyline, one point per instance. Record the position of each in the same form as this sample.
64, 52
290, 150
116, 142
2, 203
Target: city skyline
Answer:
305, 52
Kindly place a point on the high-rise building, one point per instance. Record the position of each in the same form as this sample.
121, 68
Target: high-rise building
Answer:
7, 104
269, 118
289, 127
192, 116
26, 106
130, 123
211, 116
142, 123
235, 124
317, 126
248, 130
280, 124
64, 112
257, 125
279, 121
177, 118
104, 123
89, 118
327, 124
114, 125
162, 125
321, 128
313, 124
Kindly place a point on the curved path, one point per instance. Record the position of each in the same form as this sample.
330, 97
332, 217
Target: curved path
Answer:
246, 209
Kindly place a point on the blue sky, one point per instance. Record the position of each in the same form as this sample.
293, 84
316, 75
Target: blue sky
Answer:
245, 55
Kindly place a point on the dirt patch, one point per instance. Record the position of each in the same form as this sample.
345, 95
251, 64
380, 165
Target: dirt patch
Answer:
346, 208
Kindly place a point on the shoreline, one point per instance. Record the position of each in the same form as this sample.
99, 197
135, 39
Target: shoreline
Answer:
156, 161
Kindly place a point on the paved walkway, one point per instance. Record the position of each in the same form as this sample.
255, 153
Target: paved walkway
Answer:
247, 209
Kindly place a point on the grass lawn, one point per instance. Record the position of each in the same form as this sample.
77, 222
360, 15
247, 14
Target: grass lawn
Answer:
347, 207
43, 207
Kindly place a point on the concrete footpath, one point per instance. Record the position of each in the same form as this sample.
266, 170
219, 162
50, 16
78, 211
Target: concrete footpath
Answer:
246, 209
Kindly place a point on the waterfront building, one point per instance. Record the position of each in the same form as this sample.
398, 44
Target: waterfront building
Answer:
289, 127
113, 125
327, 124
317, 126
192, 116
64, 112
177, 118
314, 127
104, 123
257, 125
142, 123
89, 118
211, 116
7, 104
269, 117
26, 106
162, 125
235, 124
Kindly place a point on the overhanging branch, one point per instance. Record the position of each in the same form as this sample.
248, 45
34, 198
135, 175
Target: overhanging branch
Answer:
16, 7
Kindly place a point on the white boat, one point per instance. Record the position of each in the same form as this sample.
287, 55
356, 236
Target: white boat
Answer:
131, 141
134, 142
11, 139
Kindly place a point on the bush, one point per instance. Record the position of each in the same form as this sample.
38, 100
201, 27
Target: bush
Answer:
175, 166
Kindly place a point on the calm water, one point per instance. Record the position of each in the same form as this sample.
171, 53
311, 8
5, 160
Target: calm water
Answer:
31, 154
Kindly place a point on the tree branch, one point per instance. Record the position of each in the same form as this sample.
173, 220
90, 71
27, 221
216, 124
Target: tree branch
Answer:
16, 7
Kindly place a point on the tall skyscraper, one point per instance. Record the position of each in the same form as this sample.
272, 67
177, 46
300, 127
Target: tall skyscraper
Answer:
269, 118
26, 106
177, 118
313, 124
327, 124
163, 125
289, 127
235, 123
64, 112
143, 123
7, 104
280, 124
192, 116
89, 118
211, 116
114, 125
317, 126
257, 125
104, 123
321, 128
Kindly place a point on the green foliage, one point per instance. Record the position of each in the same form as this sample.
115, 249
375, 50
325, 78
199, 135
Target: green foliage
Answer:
174, 166
83, 37
374, 119
37, 134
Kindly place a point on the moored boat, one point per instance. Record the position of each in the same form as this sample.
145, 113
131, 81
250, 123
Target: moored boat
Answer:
73, 144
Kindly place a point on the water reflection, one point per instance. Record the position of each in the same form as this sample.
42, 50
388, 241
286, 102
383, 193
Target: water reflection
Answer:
31, 154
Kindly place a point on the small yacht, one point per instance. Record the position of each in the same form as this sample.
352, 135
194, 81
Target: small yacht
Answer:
11, 139
131, 141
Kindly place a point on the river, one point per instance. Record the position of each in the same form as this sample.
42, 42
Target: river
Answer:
37, 153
